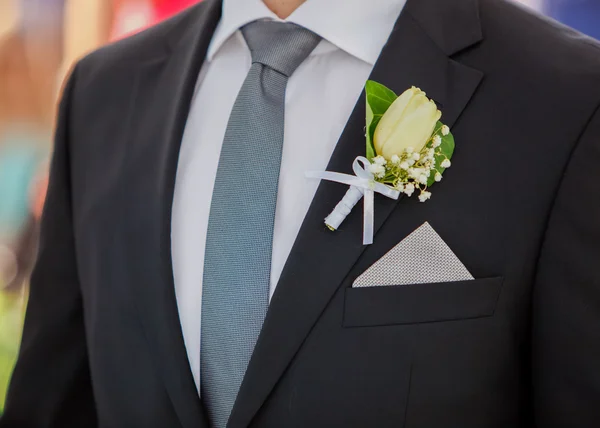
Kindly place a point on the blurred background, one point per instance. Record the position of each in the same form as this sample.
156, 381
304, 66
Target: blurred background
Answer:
39, 41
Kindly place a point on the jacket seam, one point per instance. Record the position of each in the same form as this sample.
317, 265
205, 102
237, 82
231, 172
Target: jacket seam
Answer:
559, 185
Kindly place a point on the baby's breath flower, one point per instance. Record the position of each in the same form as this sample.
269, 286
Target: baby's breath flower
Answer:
395, 159
445, 130
437, 141
409, 189
424, 196
379, 160
416, 173
438, 177
377, 170
446, 163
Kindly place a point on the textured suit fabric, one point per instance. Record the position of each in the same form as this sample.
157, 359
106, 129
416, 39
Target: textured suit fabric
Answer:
102, 345
237, 262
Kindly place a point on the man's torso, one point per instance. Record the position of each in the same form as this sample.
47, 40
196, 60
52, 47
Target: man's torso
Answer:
331, 355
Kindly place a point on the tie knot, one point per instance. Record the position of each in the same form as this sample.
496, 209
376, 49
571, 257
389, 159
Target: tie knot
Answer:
279, 45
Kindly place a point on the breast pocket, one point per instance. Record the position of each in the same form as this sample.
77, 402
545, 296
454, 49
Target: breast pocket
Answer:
421, 303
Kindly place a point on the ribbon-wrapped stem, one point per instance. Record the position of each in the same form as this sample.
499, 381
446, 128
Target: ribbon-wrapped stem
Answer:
343, 208
362, 184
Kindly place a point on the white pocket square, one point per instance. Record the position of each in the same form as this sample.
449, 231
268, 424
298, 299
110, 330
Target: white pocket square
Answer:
422, 257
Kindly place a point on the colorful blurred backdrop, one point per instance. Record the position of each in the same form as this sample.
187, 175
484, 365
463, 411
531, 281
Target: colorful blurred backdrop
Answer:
39, 41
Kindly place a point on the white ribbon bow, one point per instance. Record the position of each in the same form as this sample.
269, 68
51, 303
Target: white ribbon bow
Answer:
361, 184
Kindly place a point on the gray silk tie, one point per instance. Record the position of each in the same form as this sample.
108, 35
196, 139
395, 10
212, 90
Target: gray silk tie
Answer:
237, 263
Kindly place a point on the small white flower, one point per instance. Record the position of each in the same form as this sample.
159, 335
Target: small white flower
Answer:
411, 162
404, 165
431, 153
424, 196
395, 159
409, 150
438, 177
400, 187
379, 160
445, 130
446, 163
409, 189
423, 179
415, 172
377, 170
416, 156
437, 141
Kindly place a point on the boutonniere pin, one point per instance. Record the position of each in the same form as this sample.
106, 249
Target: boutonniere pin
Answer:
408, 150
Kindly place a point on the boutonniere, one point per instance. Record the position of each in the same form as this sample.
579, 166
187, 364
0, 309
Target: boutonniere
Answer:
408, 150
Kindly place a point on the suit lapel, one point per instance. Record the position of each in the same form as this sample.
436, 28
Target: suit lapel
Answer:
163, 93
417, 53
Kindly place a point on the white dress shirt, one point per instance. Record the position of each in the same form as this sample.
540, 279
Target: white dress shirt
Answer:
320, 97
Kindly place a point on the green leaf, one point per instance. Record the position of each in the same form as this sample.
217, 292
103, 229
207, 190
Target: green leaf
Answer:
12, 311
447, 150
379, 98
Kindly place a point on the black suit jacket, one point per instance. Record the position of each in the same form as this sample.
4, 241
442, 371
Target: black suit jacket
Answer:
517, 347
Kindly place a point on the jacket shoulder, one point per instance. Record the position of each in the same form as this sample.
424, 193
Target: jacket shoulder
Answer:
147, 45
535, 43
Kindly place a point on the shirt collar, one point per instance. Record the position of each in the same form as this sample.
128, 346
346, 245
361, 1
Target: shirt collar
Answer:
360, 28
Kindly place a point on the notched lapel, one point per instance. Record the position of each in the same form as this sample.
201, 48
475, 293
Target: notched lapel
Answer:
164, 90
320, 260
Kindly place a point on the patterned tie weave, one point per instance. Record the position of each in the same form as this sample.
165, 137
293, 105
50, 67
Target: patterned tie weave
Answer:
239, 240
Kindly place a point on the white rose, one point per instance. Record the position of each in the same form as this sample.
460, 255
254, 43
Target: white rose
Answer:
408, 122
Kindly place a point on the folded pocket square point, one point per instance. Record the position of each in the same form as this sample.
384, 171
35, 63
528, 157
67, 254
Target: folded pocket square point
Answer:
421, 257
